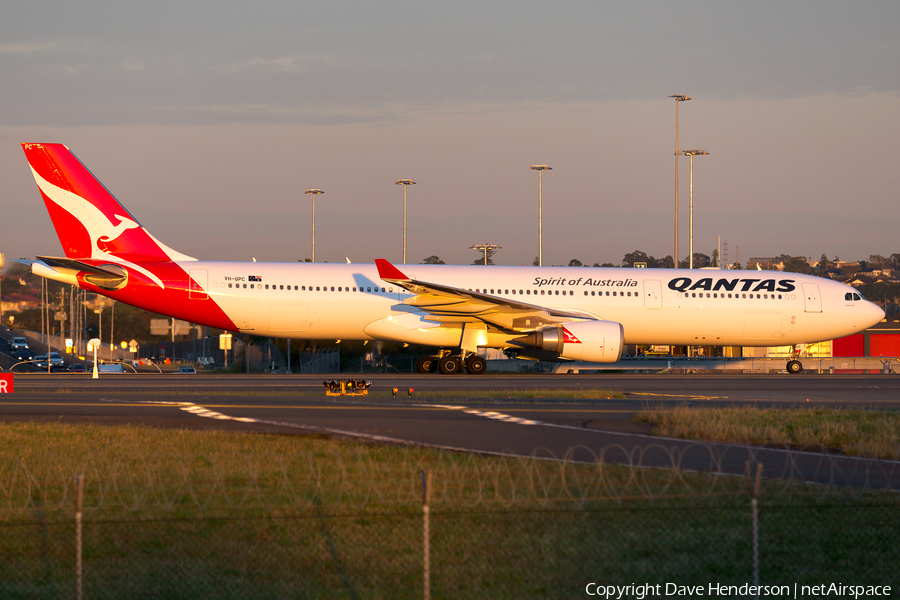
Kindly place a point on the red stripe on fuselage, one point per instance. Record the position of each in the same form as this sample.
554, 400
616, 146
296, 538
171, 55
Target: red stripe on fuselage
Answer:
172, 301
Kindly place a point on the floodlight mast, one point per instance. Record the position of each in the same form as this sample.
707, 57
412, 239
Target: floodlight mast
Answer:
314, 193
540, 169
692, 154
405, 183
678, 98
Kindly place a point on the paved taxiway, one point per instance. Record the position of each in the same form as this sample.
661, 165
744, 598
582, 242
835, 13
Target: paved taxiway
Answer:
472, 413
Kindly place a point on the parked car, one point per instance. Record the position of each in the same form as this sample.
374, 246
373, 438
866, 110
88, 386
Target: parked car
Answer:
187, 369
76, 368
17, 343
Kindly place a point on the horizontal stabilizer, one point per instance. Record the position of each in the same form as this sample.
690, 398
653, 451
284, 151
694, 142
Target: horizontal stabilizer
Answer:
77, 265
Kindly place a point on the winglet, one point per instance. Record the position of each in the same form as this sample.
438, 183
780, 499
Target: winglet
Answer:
389, 272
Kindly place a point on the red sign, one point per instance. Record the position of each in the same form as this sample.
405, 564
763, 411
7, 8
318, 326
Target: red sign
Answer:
6, 383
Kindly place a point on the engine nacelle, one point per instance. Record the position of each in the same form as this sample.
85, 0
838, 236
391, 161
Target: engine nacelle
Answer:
589, 341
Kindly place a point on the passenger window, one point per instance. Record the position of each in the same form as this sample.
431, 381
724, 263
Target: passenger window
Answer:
229, 285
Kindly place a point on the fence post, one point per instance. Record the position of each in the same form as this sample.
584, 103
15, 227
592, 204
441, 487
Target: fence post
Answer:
79, 505
426, 499
754, 520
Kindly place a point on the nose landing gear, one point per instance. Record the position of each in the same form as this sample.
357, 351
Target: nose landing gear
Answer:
794, 366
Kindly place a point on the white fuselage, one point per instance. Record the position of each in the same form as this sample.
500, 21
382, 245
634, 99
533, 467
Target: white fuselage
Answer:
654, 306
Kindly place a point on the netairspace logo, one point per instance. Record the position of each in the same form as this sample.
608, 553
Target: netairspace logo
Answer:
647, 590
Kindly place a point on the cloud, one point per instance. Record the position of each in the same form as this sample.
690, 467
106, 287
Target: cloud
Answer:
30, 47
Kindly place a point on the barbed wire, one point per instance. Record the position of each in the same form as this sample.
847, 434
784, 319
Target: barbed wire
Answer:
361, 478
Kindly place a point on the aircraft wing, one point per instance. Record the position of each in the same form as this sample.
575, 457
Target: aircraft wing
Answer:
448, 304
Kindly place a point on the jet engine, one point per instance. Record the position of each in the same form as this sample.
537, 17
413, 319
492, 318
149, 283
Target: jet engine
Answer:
589, 341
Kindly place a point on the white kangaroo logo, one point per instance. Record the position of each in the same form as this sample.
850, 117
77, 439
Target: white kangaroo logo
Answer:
98, 225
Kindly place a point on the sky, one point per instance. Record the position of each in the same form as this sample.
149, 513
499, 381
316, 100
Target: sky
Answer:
209, 120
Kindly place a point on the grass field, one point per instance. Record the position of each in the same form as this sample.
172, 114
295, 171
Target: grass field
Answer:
222, 515
869, 433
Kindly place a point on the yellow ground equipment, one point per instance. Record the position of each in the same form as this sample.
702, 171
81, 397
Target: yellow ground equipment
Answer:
347, 387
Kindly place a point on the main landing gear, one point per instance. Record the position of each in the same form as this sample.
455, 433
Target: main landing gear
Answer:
449, 364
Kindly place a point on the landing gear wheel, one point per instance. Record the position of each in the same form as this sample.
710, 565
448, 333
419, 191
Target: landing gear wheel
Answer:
449, 365
475, 365
425, 364
794, 366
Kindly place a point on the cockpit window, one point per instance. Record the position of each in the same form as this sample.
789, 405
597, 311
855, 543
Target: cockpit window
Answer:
852, 296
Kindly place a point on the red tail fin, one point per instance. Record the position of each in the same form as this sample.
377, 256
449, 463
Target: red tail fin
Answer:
89, 221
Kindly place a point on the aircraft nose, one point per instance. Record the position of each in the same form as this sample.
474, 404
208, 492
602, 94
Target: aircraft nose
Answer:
874, 314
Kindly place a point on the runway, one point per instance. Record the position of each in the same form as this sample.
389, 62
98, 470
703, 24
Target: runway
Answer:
473, 414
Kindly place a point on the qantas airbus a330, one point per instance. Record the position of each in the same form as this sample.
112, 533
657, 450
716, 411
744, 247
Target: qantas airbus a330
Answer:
550, 313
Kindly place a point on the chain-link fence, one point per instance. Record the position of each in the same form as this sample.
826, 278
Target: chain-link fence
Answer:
351, 524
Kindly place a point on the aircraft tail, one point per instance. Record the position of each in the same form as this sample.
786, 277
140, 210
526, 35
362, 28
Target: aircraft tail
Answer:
90, 222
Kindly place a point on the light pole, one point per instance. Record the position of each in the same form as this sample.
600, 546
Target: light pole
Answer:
678, 98
314, 193
540, 169
405, 183
692, 154
484, 248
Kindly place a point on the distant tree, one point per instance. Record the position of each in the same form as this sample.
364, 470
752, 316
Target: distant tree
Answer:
637, 256
895, 260
822, 267
606, 264
665, 263
433, 260
877, 261
304, 260
537, 262
700, 260
797, 264
575, 263
714, 261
